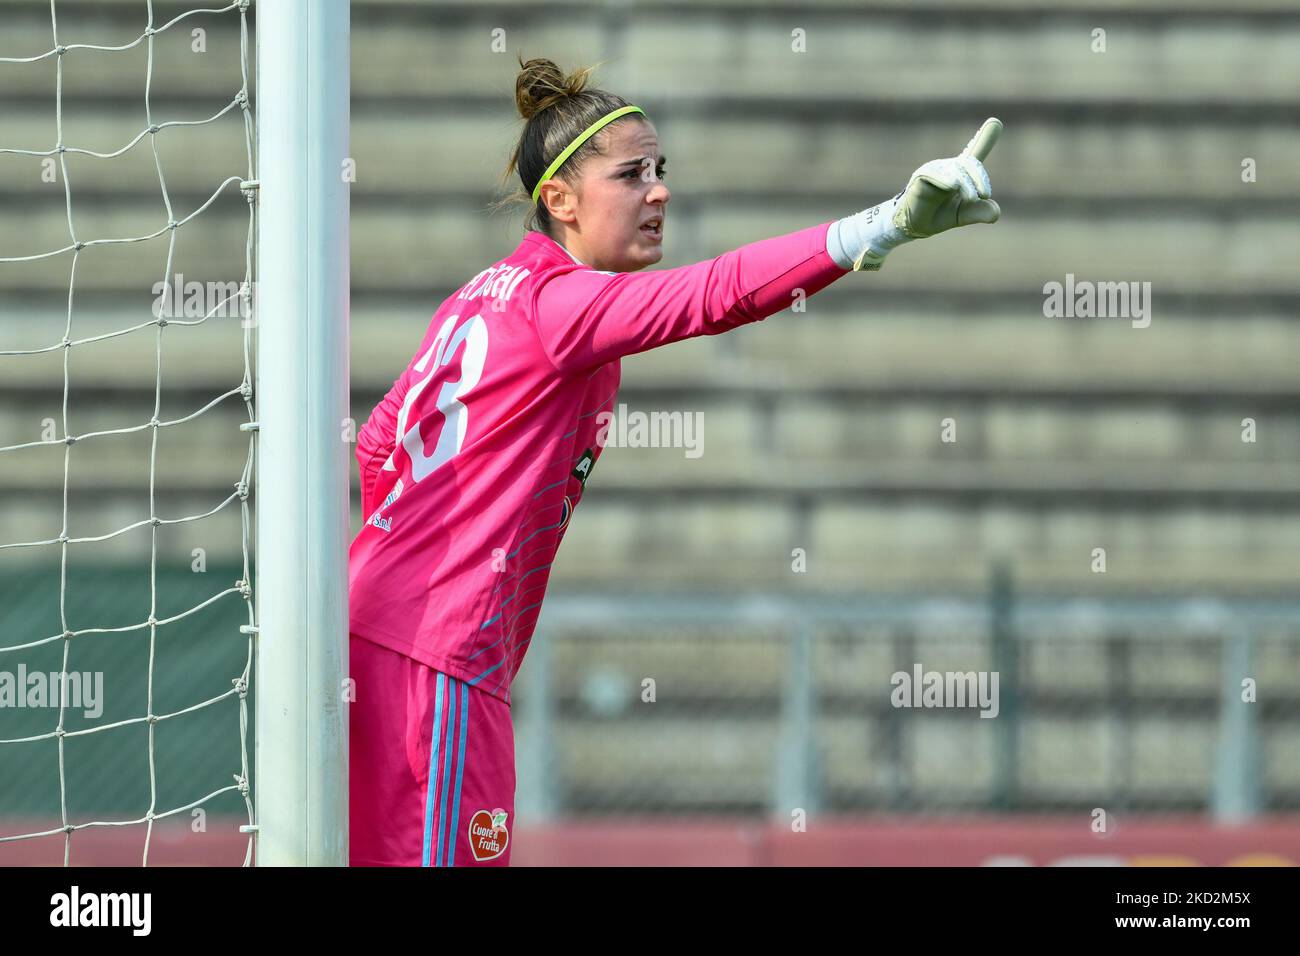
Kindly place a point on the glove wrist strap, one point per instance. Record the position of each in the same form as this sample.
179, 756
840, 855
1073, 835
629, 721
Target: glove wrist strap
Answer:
860, 242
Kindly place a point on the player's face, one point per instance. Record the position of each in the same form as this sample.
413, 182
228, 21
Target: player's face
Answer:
621, 200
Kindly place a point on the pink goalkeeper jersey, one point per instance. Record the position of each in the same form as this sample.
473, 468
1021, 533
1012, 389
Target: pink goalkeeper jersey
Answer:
498, 415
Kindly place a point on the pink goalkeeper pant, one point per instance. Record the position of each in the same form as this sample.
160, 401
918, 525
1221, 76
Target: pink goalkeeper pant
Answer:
432, 775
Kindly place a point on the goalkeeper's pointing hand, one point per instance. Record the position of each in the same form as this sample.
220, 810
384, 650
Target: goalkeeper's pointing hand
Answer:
941, 195
946, 193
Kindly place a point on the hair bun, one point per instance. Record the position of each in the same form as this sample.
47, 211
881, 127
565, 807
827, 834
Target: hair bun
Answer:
541, 83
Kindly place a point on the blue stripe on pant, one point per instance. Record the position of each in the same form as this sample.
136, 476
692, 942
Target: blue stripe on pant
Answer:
448, 742
433, 765
460, 771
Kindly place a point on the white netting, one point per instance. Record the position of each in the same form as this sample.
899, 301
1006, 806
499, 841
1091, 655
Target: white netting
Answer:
11, 649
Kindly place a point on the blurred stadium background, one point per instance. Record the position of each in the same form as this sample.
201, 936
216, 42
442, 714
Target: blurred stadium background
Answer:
1120, 690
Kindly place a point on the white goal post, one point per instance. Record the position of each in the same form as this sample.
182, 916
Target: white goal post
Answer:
303, 463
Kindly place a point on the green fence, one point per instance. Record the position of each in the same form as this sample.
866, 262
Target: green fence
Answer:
107, 773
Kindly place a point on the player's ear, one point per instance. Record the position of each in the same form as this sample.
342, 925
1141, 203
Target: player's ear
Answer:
559, 199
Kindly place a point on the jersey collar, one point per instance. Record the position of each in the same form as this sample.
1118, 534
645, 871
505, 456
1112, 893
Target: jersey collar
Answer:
543, 240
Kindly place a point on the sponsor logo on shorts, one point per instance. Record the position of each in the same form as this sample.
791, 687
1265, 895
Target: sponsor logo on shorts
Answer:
488, 834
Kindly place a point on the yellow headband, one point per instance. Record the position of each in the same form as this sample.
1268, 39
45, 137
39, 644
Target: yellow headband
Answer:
568, 151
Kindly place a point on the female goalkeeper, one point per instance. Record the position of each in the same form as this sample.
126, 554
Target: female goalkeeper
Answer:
474, 462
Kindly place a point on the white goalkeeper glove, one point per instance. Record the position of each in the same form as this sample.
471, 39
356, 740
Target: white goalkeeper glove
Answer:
941, 195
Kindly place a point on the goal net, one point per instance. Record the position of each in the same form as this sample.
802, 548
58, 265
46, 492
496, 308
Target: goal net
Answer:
173, 307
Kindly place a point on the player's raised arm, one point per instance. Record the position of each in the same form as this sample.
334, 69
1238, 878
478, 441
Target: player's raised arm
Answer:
587, 318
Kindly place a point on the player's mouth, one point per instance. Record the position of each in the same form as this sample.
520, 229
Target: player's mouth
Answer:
653, 228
